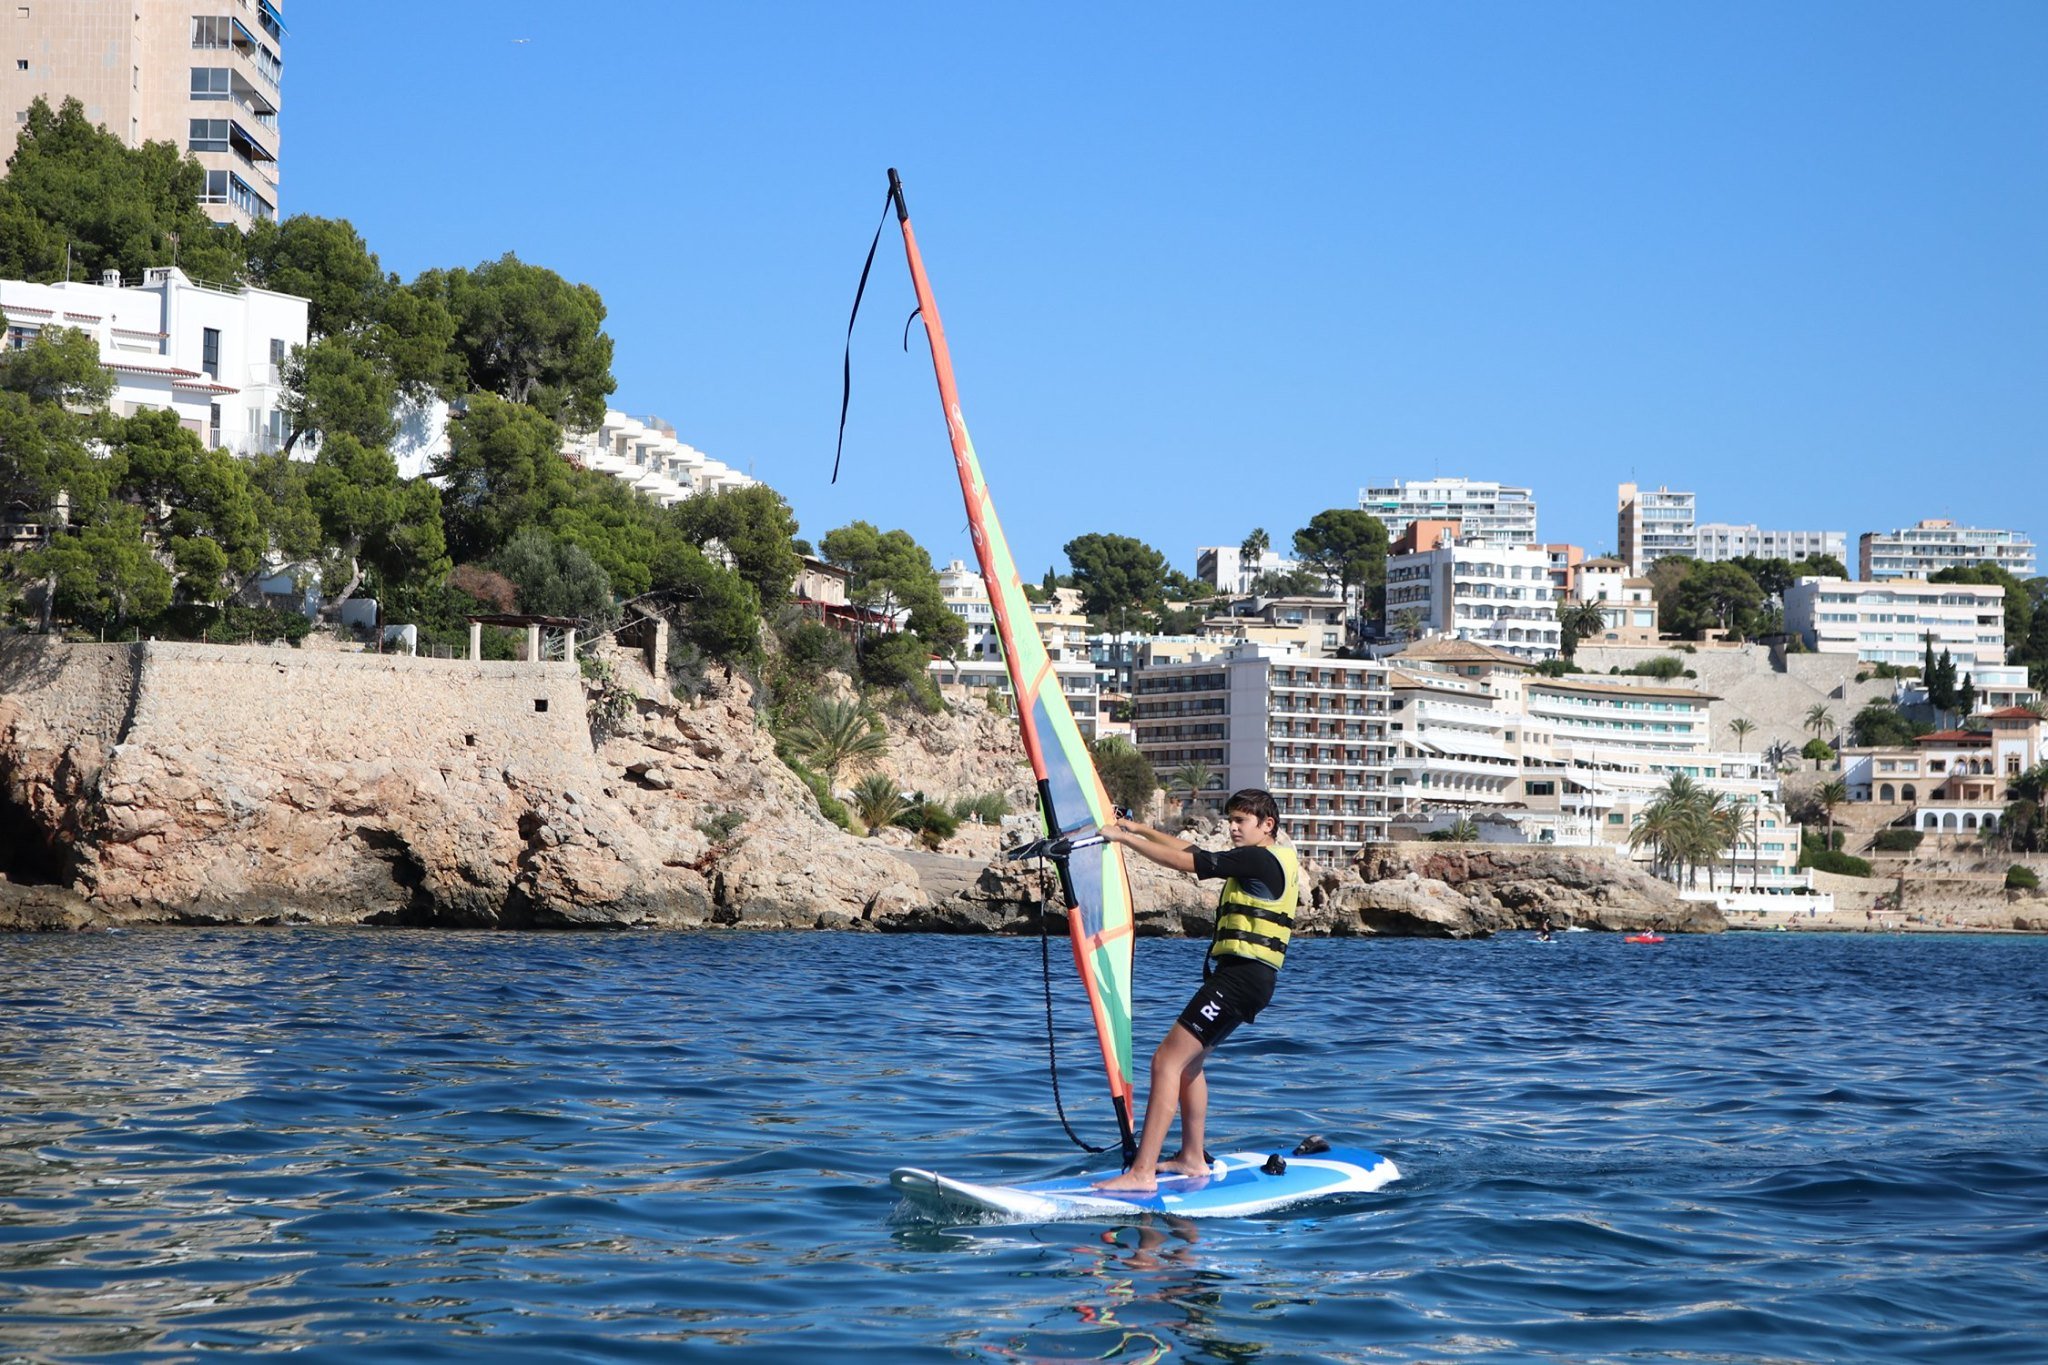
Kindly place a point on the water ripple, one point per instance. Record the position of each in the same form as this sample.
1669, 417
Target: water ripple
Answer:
348, 1144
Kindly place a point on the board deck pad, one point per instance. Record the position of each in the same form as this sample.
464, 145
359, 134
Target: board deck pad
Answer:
1235, 1187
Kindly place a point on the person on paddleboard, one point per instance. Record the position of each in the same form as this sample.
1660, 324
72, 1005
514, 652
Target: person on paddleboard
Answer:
1254, 919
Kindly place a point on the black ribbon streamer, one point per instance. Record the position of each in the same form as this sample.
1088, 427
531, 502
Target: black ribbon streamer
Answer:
846, 363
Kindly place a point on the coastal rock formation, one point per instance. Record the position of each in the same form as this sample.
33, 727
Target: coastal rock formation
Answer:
220, 784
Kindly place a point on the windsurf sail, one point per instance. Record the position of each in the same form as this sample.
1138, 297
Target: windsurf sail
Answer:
1072, 801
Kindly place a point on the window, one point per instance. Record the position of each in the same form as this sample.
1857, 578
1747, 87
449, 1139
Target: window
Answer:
209, 83
212, 31
216, 191
21, 64
277, 350
208, 135
213, 424
209, 351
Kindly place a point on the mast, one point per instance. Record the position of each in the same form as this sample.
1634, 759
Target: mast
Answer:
1093, 883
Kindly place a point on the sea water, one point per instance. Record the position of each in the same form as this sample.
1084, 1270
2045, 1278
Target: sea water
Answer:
413, 1146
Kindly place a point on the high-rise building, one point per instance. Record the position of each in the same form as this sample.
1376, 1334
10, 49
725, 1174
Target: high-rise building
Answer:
1651, 525
1931, 546
1496, 513
205, 75
1311, 731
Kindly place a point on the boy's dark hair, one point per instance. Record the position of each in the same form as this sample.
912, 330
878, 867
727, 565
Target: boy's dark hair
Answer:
1255, 802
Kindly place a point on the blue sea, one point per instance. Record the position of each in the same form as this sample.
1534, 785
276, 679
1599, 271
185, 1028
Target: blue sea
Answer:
395, 1145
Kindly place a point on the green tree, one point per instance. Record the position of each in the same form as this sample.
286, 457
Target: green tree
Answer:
530, 336
1121, 579
713, 608
60, 366
322, 260
503, 470
755, 527
104, 573
78, 201
1126, 774
892, 576
1742, 728
185, 489
1349, 545
1717, 596
374, 520
1829, 795
555, 578
1819, 722
331, 388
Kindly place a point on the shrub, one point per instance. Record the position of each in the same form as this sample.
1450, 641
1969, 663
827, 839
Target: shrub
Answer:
227, 625
2019, 878
829, 806
1664, 666
720, 826
933, 823
990, 806
1842, 864
1817, 750
1897, 840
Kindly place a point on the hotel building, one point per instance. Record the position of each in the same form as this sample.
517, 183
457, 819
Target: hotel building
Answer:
1474, 589
1893, 622
1495, 513
204, 76
1311, 731
647, 455
1928, 547
1715, 541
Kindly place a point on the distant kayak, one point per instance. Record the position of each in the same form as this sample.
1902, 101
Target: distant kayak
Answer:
1644, 938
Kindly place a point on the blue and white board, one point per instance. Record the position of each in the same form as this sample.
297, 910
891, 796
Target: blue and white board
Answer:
1235, 1187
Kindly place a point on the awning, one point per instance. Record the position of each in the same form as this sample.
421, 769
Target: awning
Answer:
1462, 743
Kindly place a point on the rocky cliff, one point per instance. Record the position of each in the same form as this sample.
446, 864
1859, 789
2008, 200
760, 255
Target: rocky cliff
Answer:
215, 784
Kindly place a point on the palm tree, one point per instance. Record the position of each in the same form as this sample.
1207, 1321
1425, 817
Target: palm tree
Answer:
1192, 777
1742, 728
1819, 721
1463, 830
876, 802
1781, 755
1830, 795
1410, 621
1253, 552
1578, 621
839, 735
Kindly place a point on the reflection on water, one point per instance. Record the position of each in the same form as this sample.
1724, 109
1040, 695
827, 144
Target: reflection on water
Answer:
405, 1144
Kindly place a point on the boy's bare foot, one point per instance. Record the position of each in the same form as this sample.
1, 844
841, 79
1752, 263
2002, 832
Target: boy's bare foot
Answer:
1183, 1164
1130, 1182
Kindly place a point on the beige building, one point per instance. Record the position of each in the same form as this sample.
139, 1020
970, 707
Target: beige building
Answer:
204, 75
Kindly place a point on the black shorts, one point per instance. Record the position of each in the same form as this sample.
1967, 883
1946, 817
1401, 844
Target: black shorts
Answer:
1232, 994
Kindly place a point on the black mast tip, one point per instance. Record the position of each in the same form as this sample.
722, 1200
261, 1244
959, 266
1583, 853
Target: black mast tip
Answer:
896, 196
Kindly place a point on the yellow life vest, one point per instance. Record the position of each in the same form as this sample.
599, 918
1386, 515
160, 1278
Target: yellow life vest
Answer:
1259, 929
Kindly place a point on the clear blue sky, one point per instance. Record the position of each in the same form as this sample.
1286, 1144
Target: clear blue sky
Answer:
1211, 266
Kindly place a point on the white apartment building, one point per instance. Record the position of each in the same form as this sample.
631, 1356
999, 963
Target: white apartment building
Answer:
1715, 541
204, 75
1652, 524
1572, 760
647, 455
1311, 731
1225, 568
211, 355
1473, 589
1928, 547
1494, 513
981, 667
1892, 622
